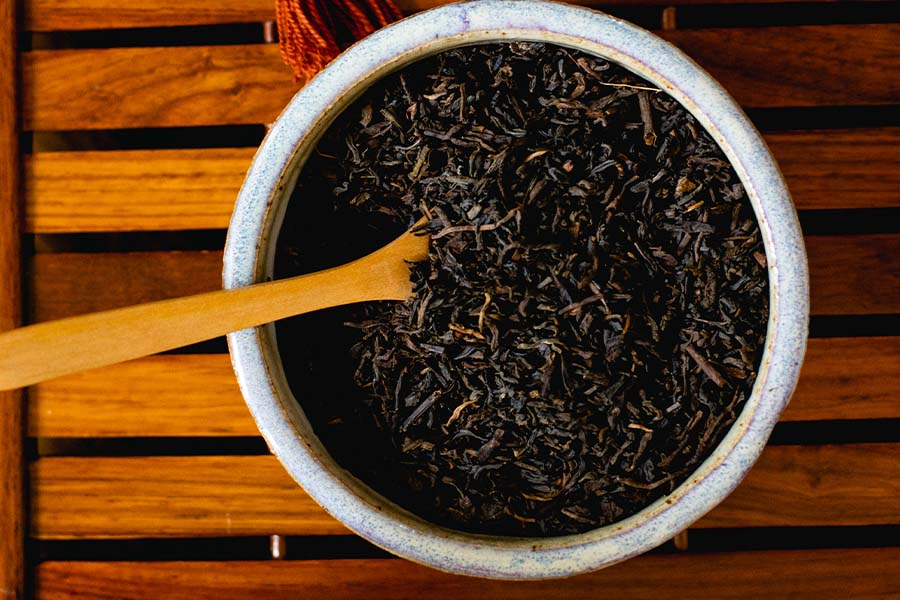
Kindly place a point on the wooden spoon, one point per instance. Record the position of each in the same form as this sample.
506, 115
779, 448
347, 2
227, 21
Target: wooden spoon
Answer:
43, 351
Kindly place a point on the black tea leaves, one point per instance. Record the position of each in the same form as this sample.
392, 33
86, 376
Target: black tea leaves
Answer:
592, 314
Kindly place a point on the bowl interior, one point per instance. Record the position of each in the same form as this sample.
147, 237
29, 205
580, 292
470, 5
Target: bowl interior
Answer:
253, 240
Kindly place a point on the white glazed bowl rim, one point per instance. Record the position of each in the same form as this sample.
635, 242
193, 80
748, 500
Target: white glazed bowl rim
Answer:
260, 207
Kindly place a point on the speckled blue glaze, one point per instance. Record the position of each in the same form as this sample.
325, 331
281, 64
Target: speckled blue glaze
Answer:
260, 209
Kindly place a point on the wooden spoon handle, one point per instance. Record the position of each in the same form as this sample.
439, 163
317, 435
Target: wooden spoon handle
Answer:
46, 350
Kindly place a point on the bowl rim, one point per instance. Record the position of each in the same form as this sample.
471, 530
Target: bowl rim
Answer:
260, 206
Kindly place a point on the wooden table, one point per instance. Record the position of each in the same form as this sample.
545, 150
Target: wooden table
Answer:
148, 479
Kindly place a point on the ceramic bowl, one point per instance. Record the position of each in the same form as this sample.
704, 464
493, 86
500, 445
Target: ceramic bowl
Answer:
261, 205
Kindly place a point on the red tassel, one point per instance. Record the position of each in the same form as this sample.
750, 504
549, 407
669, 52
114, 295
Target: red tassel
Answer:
312, 32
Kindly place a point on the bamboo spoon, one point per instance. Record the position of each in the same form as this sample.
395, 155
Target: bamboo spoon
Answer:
43, 351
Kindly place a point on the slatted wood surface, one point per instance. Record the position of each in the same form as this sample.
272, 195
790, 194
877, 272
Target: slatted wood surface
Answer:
132, 451
103, 497
238, 84
870, 573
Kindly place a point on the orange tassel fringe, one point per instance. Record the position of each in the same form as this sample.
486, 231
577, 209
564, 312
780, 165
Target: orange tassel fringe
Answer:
312, 32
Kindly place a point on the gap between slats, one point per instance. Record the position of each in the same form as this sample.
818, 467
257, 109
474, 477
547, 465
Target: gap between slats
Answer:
163, 190
197, 395
819, 574
252, 495
239, 84
58, 15
849, 275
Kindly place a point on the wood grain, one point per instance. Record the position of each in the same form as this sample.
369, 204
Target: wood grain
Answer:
217, 85
78, 497
841, 168
133, 190
851, 484
159, 190
166, 395
848, 378
154, 87
12, 498
170, 496
852, 274
63, 285
197, 395
799, 66
821, 574
51, 15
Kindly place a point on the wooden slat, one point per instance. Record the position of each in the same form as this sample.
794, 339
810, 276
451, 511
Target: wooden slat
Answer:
170, 496
74, 497
12, 498
155, 87
853, 274
800, 66
850, 484
156, 190
68, 284
133, 190
842, 168
215, 85
166, 395
821, 574
197, 395
51, 15
848, 378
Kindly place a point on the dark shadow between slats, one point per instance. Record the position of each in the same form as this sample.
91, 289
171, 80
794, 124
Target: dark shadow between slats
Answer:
698, 16
158, 138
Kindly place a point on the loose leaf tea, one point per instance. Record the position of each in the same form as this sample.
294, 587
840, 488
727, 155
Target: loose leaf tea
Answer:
590, 318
